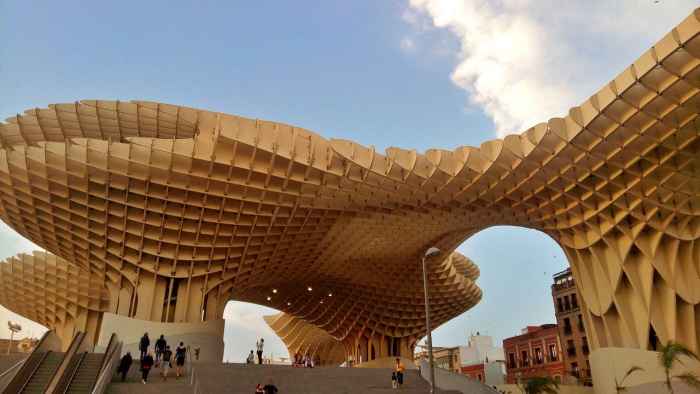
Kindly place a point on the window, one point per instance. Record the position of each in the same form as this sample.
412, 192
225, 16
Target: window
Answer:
560, 304
552, 352
570, 348
567, 326
524, 362
580, 323
511, 360
574, 369
584, 345
574, 301
567, 305
538, 356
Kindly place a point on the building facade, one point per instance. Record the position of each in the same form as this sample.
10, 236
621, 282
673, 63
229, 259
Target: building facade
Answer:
480, 359
483, 361
447, 358
535, 352
569, 307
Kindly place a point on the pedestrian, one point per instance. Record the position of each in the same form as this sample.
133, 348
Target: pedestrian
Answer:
124, 365
399, 368
394, 383
250, 359
259, 389
166, 363
160, 348
144, 343
259, 346
180, 359
270, 388
146, 365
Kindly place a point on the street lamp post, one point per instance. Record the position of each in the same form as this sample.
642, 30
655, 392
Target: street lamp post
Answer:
14, 327
431, 252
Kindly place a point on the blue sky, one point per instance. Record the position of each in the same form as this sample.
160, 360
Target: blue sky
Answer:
409, 73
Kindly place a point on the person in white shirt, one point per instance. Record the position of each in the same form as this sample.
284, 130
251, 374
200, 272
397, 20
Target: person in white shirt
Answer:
250, 359
259, 346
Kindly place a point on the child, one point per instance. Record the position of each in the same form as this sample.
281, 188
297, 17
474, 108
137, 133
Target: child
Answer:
394, 384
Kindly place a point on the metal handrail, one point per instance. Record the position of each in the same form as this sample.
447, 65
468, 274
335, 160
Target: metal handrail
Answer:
43, 339
112, 340
36, 368
13, 384
69, 380
57, 376
7, 376
12, 368
106, 373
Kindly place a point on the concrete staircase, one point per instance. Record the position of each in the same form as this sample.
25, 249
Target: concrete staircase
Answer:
46, 370
241, 378
155, 384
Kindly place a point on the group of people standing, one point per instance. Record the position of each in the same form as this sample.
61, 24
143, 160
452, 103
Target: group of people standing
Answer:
163, 359
303, 361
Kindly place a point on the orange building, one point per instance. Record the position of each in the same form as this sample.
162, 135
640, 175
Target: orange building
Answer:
475, 372
535, 352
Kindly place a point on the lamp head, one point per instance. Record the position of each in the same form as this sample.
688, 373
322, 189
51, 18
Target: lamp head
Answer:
432, 252
14, 327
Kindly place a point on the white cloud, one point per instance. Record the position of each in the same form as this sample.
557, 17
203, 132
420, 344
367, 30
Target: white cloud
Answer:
525, 61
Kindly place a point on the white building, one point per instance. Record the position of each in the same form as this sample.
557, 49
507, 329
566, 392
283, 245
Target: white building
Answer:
482, 360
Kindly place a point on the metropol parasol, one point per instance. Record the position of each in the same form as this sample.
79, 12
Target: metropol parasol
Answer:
161, 213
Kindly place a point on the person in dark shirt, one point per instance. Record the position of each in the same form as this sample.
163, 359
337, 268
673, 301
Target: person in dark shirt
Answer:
146, 365
160, 348
179, 359
143, 345
124, 365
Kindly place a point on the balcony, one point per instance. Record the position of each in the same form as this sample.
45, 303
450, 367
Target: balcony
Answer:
571, 352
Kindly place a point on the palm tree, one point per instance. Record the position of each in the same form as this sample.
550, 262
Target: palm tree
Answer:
668, 356
540, 385
619, 386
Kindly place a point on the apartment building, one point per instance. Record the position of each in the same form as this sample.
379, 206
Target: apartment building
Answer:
568, 307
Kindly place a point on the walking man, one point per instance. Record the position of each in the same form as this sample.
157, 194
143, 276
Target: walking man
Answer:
143, 345
124, 365
160, 348
259, 346
179, 359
